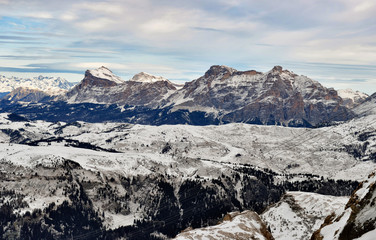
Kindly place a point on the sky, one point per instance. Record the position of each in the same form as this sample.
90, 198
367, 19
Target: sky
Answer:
331, 41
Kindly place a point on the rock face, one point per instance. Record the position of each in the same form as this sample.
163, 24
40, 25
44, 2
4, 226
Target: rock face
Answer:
102, 86
358, 220
276, 97
244, 225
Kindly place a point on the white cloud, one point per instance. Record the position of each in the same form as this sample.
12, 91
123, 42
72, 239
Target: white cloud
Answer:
42, 15
356, 11
98, 24
161, 26
166, 37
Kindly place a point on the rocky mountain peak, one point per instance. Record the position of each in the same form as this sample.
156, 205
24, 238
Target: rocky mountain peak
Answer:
147, 78
104, 73
277, 69
219, 70
100, 77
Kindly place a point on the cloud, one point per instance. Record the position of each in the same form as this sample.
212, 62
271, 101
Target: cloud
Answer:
186, 37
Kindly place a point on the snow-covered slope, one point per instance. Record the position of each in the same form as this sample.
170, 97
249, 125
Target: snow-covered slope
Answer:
299, 214
50, 85
346, 151
368, 107
244, 225
351, 98
157, 173
357, 220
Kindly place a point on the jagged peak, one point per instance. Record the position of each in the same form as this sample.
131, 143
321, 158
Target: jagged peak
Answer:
222, 68
105, 73
216, 70
277, 68
146, 78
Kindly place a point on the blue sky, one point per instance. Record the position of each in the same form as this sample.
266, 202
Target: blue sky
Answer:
331, 41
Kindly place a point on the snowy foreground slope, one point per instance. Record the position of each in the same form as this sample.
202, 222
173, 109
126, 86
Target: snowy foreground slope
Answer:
298, 214
357, 220
146, 182
245, 225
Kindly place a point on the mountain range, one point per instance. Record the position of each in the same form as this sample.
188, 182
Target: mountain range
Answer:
80, 165
50, 85
221, 95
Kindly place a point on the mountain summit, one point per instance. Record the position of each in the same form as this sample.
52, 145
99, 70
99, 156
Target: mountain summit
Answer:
146, 78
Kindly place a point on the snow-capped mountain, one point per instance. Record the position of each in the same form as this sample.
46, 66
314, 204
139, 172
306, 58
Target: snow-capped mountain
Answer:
102, 86
357, 220
352, 98
223, 95
50, 85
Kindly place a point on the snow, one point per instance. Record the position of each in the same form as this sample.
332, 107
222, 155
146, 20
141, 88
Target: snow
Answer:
333, 230
314, 151
371, 235
361, 210
299, 214
147, 78
245, 225
105, 73
50, 85
114, 221
351, 94
207, 151
367, 108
